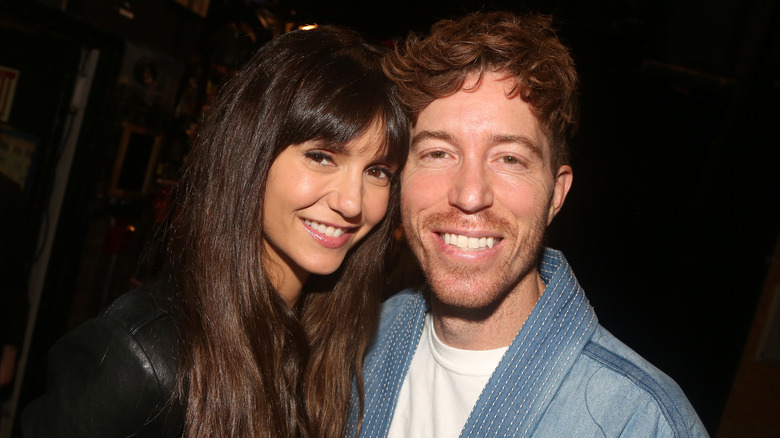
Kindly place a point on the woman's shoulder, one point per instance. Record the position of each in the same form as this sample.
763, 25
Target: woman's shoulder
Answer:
147, 305
144, 316
114, 374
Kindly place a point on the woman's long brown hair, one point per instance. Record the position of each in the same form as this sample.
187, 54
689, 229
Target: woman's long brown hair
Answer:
249, 364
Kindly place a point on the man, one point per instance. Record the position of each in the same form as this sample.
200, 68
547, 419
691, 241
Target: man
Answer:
502, 340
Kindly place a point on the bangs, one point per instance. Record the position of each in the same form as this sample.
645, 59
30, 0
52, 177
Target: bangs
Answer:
339, 112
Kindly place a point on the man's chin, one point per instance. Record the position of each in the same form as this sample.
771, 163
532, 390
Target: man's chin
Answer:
466, 298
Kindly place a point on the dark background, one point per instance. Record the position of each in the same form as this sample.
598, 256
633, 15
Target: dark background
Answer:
672, 220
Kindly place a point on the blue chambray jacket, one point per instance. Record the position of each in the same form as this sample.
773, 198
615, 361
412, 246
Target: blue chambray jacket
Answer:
563, 376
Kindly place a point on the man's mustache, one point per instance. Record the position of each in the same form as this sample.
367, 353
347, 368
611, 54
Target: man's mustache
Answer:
484, 220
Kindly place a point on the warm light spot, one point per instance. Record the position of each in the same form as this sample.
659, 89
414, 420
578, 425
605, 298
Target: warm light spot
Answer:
131, 228
307, 27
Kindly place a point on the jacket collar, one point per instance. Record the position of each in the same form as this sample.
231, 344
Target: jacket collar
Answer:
539, 358
523, 383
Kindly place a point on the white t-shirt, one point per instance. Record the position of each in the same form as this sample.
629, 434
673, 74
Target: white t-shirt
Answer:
441, 387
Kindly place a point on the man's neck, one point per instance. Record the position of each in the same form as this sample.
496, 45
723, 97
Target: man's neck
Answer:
486, 329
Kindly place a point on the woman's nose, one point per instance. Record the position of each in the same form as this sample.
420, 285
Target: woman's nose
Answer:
346, 197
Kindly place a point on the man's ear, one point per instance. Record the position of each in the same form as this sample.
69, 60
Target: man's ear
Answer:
563, 180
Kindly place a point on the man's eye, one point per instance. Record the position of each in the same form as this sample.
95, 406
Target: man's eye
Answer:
437, 154
511, 160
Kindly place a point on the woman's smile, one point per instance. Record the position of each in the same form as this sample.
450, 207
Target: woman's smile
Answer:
329, 236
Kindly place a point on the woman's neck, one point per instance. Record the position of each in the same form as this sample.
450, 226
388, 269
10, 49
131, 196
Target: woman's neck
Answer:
289, 284
287, 277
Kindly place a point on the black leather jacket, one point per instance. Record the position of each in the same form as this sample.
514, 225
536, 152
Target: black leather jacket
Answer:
113, 375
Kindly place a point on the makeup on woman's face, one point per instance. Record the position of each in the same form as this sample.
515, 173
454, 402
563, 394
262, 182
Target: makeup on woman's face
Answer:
320, 200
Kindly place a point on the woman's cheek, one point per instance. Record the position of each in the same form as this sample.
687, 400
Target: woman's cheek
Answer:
376, 205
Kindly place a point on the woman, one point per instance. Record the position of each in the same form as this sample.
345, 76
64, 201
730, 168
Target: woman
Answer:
275, 245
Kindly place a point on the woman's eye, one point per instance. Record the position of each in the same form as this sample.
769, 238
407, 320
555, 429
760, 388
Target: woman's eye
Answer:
319, 157
380, 174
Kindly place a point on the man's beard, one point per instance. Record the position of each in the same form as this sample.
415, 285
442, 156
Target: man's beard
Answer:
458, 285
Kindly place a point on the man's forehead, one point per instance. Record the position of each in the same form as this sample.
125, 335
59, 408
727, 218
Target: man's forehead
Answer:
488, 109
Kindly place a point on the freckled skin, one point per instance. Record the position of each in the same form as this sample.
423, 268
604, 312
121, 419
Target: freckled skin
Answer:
480, 166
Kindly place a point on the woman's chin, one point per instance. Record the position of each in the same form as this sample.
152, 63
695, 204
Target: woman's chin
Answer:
323, 268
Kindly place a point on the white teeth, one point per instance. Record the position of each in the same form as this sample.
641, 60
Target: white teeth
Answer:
325, 229
470, 243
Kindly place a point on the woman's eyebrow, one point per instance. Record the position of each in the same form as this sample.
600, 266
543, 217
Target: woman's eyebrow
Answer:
346, 149
325, 145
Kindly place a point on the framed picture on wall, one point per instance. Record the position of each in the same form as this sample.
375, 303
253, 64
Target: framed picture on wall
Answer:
135, 162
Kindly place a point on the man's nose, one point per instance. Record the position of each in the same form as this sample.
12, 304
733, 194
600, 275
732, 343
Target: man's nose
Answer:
471, 189
346, 197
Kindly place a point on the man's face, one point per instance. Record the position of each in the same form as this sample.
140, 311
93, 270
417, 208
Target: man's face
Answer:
478, 193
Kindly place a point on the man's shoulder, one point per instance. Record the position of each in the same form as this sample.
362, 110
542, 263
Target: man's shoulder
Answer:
608, 350
615, 380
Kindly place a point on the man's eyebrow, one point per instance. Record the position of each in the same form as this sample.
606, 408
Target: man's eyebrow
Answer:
522, 140
432, 135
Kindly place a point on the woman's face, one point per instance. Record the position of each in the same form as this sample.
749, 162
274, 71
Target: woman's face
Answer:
320, 201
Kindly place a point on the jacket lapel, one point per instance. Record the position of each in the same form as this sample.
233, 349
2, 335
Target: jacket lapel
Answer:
539, 358
386, 366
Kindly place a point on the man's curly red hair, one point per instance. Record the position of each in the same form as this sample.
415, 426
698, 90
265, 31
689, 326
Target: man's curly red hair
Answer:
526, 48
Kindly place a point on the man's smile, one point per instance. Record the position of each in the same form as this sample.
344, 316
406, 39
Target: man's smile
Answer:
468, 243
